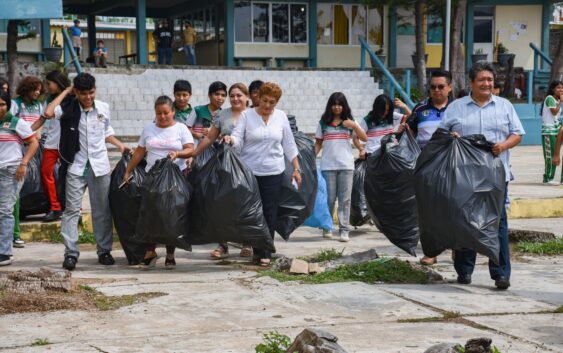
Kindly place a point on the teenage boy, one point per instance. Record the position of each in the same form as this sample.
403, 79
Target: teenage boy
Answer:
85, 130
254, 90
100, 54
202, 116
182, 95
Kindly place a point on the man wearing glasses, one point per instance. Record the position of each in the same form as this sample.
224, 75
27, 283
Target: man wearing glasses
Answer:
426, 117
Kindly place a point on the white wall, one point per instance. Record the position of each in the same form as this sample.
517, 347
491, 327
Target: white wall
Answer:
517, 41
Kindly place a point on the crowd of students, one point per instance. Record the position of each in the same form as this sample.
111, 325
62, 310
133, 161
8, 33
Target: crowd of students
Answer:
79, 128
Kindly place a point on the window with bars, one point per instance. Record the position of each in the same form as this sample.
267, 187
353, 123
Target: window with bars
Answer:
341, 24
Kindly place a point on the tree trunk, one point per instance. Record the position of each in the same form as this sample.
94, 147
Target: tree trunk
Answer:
12, 50
420, 66
557, 66
457, 60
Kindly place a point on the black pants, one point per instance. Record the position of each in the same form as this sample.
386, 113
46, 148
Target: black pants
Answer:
270, 190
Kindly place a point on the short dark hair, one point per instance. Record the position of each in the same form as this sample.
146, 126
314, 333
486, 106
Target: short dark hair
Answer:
162, 100
217, 86
441, 73
481, 66
76, 21
84, 82
182, 86
255, 85
5, 96
99, 41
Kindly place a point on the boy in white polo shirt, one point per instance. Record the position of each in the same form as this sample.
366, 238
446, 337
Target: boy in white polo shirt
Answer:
85, 129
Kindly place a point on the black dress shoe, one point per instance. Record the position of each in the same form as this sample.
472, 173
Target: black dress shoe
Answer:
52, 216
70, 262
106, 259
464, 279
502, 283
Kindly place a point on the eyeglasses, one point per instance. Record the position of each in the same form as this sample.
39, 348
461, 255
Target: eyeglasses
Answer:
440, 87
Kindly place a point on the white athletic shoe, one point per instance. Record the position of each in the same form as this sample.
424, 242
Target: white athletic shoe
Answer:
551, 182
327, 234
344, 237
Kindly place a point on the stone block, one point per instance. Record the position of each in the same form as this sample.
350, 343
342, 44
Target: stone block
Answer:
299, 266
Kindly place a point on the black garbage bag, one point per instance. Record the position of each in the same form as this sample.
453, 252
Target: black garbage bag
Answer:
163, 215
226, 204
359, 214
389, 190
200, 161
292, 123
125, 204
296, 205
460, 190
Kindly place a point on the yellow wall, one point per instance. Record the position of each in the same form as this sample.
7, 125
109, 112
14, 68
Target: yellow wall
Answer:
531, 15
343, 56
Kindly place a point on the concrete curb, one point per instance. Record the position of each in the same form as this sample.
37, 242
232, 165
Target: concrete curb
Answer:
536, 208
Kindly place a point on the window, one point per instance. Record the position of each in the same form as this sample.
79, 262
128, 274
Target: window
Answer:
434, 30
342, 24
270, 22
483, 31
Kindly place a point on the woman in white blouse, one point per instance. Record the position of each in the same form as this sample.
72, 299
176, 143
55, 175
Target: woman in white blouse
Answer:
264, 138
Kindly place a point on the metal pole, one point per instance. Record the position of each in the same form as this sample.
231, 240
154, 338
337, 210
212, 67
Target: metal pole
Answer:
448, 26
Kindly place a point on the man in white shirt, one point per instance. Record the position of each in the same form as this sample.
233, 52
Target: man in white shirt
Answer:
85, 129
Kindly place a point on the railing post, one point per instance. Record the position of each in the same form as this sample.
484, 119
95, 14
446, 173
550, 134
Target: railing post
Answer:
536, 59
530, 86
362, 58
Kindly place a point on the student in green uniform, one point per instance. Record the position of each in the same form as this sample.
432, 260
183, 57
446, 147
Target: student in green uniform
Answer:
550, 115
182, 95
201, 118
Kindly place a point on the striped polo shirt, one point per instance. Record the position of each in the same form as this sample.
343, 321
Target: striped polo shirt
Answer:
13, 133
424, 121
337, 149
375, 130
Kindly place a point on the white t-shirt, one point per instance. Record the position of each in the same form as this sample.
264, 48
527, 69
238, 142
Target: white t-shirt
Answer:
397, 118
159, 142
12, 135
375, 133
549, 119
53, 134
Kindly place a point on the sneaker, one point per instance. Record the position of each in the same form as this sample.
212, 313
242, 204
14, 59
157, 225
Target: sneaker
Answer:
18, 243
464, 279
551, 182
70, 262
502, 283
344, 237
327, 234
106, 259
52, 216
5, 260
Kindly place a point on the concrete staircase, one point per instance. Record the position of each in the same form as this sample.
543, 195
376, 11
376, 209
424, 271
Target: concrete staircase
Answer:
131, 92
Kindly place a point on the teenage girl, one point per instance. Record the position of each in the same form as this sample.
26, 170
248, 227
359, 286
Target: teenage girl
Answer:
550, 115
334, 132
378, 123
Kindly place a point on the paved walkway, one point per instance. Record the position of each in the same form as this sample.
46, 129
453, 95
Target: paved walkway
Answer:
224, 307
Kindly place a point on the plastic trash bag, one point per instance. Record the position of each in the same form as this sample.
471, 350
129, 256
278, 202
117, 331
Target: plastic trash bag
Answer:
200, 161
321, 217
460, 188
389, 190
125, 204
359, 214
33, 199
297, 204
226, 205
163, 215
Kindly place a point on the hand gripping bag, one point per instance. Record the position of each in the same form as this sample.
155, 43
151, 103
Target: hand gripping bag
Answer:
125, 204
358, 206
460, 190
226, 205
165, 197
200, 161
320, 218
297, 204
389, 190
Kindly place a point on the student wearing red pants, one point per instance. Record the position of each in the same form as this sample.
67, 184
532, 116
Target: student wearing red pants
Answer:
56, 83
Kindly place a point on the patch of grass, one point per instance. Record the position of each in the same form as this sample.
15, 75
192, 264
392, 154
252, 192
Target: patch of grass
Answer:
40, 342
274, 342
551, 247
446, 316
324, 255
386, 270
84, 236
559, 310
103, 302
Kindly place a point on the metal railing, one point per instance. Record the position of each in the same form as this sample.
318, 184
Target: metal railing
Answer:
394, 85
539, 54
69, 51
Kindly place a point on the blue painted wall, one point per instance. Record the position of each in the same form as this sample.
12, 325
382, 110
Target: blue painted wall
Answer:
30, 9
530, 117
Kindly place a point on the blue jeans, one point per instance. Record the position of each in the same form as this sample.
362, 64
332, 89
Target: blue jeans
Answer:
164, 56
189, 50
464, 262
9, 190
339, 185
